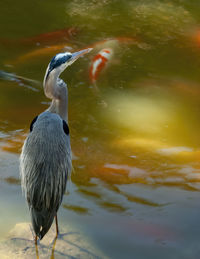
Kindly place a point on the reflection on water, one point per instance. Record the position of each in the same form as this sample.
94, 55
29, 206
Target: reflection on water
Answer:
136, 145
141, 114
77, 209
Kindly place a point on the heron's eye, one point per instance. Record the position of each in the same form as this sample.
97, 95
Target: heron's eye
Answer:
33, 121
65, 127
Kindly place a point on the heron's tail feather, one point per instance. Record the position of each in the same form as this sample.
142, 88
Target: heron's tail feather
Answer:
41, 221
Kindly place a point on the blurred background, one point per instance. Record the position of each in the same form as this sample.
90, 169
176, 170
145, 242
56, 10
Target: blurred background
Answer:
134, 121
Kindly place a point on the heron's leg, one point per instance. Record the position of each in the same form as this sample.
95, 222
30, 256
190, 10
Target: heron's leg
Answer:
36, 248
53, 248
57, 230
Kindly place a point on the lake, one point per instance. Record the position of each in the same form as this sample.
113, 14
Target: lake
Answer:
135, 188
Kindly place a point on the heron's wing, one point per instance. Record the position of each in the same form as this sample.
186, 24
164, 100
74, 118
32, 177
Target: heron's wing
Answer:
45, 164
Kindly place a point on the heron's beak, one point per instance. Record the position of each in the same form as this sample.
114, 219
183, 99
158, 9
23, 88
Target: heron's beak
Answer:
80, 53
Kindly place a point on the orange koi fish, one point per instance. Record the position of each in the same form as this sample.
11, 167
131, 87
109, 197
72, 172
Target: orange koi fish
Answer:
44, 51
194, 37
98, 63
51, 37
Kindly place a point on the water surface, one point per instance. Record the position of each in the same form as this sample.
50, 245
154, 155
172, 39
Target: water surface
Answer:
135, 187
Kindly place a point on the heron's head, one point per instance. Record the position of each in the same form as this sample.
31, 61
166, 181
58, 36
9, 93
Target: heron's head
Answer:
62, 60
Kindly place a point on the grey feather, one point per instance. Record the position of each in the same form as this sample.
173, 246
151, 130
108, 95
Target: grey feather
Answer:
45, 165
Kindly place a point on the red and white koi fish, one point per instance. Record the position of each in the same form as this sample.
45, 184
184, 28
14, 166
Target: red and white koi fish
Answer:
99, 62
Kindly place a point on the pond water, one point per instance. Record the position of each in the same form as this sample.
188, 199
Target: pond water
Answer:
134, 132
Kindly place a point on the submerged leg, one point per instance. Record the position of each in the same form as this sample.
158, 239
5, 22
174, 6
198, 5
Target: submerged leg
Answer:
35, 240
57, 230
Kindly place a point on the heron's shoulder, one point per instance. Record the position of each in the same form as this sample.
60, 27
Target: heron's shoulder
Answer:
49, 115
49, 121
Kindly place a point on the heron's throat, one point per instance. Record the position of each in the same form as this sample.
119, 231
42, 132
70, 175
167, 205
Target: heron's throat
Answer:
50, 85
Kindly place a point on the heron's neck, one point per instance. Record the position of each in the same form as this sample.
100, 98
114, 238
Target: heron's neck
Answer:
57, 107
56, 89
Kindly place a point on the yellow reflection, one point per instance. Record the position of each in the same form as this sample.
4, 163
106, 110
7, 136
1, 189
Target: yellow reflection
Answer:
159, 147
156, 123
144, 143
141, 114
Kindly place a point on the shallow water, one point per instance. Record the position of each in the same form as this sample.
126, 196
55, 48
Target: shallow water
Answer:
135, 188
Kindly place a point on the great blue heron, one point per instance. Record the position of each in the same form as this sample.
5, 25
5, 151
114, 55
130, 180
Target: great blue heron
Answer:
45, 161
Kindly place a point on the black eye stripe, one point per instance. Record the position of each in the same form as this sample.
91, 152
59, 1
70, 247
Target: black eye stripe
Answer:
65, 127
33, 121
56, 62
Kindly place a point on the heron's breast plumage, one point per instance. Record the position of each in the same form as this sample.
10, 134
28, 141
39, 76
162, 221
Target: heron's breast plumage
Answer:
45, 162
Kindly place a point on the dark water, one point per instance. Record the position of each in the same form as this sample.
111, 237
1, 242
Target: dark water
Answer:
136, 145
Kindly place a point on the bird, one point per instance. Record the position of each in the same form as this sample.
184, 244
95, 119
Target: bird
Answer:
45, 161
